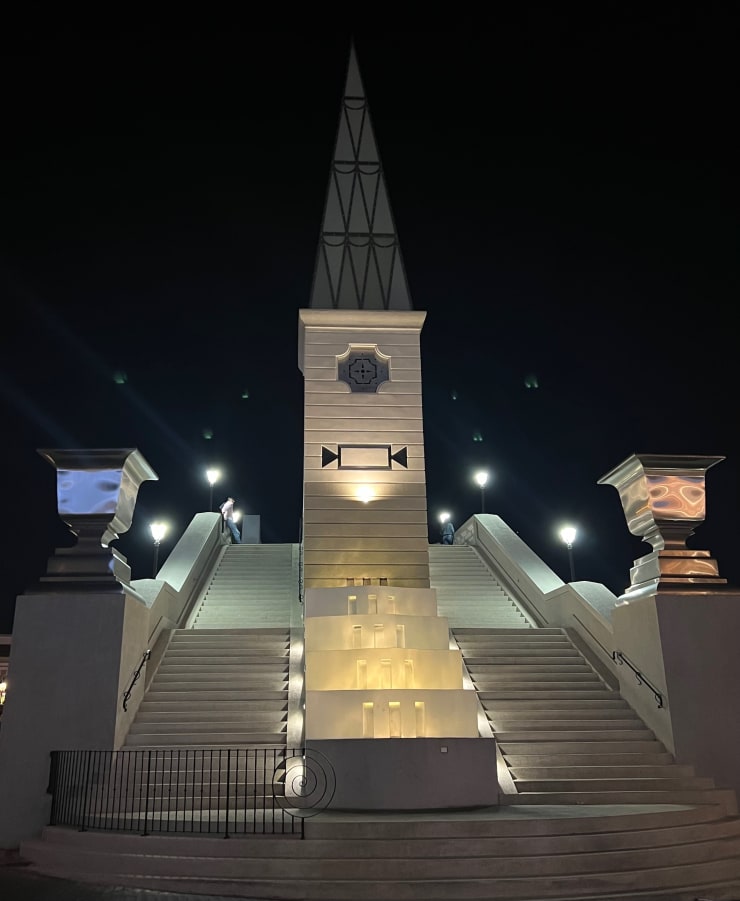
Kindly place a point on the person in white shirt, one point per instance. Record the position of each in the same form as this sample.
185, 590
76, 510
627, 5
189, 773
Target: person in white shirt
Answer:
227, 511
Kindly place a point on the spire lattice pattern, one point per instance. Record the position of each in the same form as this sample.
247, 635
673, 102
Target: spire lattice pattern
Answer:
359, 263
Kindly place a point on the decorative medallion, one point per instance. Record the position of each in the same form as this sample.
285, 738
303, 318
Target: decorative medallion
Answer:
363, 369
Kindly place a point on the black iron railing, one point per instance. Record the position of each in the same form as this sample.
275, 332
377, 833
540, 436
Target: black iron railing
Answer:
127, 694
220, 791
622, 659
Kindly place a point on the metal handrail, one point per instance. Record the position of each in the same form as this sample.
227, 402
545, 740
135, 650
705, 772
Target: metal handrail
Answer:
127, 694
620, 658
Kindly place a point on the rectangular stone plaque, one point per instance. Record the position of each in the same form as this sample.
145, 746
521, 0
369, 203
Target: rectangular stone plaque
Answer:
357, 456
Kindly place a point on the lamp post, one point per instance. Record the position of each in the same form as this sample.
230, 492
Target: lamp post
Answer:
481, 479
158, 530
568, 536
213, 475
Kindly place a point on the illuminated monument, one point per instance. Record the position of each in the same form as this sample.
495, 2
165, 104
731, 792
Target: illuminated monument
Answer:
614, 771
384, 690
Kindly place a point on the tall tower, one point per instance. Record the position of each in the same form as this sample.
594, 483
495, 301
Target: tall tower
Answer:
385, 701
364, 486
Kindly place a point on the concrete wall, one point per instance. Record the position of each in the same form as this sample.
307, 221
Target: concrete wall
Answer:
73, 656
699, 666
424, 774
68, 668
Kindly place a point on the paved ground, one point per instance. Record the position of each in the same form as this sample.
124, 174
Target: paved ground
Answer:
17, 883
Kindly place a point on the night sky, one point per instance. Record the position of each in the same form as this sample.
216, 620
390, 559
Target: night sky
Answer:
566, 196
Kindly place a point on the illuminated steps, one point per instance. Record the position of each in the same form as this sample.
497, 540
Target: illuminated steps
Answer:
467, 592
565, 735
219, 688
252, 586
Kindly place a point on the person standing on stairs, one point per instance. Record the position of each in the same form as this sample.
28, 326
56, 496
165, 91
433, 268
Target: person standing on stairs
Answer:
227, 511
448, 532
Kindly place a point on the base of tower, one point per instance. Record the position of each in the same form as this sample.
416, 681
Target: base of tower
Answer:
407, 773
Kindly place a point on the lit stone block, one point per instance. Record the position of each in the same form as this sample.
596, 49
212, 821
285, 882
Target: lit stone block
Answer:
370, 599
384, 668
369, 714
330, 633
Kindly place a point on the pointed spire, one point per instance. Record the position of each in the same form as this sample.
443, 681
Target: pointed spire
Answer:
359, 264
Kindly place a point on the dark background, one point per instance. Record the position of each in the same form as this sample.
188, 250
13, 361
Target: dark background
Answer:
565, 193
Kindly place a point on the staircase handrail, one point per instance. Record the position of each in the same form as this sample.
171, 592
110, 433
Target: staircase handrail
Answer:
127, 694
622, 659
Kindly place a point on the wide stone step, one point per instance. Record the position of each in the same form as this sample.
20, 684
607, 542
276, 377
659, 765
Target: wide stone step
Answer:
546, 745
629, 783
559, 706
526, 773
587, 761
236, 594
211, 648
542, 633
586, 738
199, 707
261, 634
220, 688
217, 695
494, 695
405, 869
496, 674
589, 713
505, 725
219, 671
208, 714
217, 724
265, 662
231, 738
512, 880
210, 619
571, 666
493, 686
724, 798
496, 839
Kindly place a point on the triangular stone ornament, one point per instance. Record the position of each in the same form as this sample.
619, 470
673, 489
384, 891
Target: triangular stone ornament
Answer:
359, 263
328, 456
401, 456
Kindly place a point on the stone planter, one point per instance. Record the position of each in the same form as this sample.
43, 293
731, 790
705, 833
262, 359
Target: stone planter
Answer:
96, 496
663, 498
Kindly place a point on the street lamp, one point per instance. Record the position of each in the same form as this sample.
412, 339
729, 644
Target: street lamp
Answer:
481, 479
158, 530
213, 475
568, 536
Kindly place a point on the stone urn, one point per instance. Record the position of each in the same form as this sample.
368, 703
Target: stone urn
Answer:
663, 498
96, 496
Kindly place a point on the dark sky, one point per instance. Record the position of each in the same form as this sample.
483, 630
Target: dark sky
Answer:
565, 192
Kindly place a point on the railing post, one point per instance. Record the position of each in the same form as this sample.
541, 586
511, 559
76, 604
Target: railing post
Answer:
51, 788
228, 789
146, 800
83, 828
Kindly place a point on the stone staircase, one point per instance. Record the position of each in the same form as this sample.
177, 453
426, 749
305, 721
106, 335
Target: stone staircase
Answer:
530, 854
467, 592
598, 811
565, 735
217, 687
223, 682
252, 586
